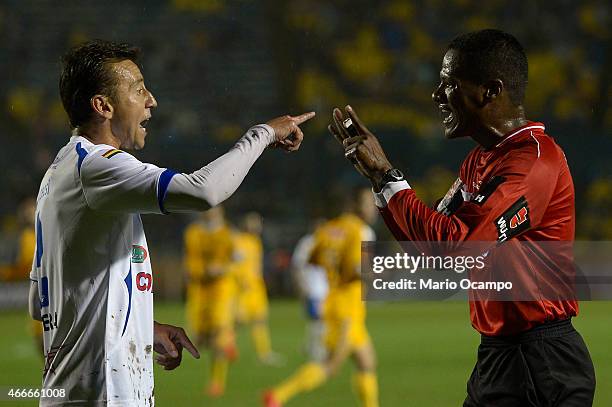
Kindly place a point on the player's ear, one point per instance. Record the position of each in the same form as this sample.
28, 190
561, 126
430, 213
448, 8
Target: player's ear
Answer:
102, 107
492, 90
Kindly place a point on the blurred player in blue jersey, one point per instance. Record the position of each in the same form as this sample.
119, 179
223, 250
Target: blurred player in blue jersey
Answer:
337, 249
311, 281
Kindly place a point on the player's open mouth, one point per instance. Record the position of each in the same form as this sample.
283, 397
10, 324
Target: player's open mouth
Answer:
446, 114
143, 124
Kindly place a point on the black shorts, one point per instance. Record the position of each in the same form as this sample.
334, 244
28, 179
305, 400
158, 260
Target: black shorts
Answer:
546, 366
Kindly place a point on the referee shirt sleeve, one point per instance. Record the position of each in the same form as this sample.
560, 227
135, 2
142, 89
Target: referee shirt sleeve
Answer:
516, 204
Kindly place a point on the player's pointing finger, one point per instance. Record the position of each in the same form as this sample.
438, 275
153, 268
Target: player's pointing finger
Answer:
303, 117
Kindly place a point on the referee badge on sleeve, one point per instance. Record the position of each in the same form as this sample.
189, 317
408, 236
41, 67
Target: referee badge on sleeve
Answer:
513, 221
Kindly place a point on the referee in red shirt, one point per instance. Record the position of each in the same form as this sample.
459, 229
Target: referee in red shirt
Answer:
515, 184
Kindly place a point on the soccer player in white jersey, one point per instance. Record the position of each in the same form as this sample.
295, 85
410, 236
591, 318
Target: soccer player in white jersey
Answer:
92, 281
312, 284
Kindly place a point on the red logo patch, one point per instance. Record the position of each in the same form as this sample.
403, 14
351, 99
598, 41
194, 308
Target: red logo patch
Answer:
519, 218
144, 281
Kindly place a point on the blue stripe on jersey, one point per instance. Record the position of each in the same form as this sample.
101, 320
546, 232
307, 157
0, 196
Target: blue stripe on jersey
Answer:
44, 292
162, 187
39, 241
313, 309
82, 154
128, 283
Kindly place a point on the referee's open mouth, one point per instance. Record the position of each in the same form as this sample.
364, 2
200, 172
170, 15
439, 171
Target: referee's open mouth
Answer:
450, 121
446, 114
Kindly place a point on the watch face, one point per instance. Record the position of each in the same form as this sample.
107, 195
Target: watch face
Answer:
396, 174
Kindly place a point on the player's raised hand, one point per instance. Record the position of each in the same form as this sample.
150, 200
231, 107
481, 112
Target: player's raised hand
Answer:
287, 132
361, 147
168, 342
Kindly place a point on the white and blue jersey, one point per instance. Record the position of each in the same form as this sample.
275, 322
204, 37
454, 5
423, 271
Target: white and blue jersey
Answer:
94, 274
92, 265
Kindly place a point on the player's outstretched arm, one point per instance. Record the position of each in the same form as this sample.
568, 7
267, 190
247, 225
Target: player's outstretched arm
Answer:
114, 181
168, 342
217, 181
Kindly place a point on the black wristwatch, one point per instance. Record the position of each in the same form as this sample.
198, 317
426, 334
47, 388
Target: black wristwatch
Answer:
392, 175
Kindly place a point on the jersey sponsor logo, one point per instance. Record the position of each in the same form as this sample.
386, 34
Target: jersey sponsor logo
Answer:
111, 153
488, 190
49, 321
139, 254
514, 221
519, 218
144, 281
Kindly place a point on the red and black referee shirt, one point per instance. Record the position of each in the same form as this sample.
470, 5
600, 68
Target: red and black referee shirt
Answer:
520, 189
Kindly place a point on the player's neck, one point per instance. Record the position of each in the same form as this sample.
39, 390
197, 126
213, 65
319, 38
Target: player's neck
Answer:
98, 134
495, 128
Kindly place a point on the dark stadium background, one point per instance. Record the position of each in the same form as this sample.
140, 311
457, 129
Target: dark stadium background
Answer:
218, 67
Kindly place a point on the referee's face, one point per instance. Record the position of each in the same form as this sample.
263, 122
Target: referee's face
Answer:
132, 103
457, 99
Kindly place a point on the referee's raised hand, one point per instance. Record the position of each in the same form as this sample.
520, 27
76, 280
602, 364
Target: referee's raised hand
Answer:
361, 147
288, 134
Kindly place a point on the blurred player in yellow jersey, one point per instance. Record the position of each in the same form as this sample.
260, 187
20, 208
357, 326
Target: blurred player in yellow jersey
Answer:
337, 248
211, 289
252, 295
20, 269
